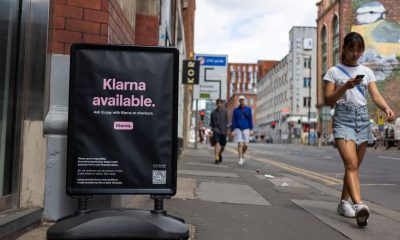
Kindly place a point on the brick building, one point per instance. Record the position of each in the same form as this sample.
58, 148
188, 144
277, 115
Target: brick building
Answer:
188, 14
337, 18
264, 66
242, 80
34, 67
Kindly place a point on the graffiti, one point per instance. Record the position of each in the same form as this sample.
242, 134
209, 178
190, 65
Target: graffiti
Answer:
381, 36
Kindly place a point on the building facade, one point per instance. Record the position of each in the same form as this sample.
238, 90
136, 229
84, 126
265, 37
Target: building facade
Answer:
378, 22
242, 80
34, 63
286, 94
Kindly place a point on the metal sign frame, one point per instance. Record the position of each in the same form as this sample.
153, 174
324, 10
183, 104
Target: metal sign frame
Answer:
139, 143
213, 77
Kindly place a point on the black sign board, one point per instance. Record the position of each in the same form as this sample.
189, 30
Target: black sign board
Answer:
190, 72
122, 120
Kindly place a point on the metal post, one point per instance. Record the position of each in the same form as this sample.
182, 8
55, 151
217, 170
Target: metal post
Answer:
82, 204
196, 113
309, 103
158, 204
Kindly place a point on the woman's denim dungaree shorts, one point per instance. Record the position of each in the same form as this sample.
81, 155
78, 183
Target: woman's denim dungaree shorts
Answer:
352, 123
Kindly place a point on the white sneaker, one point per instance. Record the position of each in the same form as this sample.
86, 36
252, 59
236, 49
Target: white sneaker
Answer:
362, 214
241, 161
346, 209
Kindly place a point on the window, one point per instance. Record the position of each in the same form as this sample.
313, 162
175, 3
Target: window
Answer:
306, 101
185, 3
306, 82
307, 62
324, 44
8, 71
335, 40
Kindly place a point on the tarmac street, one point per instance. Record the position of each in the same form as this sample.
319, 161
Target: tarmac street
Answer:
263, 199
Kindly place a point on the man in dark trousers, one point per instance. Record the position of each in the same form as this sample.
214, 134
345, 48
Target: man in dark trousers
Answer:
242, 127
219, 128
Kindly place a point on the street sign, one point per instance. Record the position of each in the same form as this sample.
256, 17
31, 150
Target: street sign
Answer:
190, 72
122, 120
213, 77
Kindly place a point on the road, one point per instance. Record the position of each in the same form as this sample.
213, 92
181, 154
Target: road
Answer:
379, 173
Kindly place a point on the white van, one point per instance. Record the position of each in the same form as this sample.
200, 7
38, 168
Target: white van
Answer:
397, 129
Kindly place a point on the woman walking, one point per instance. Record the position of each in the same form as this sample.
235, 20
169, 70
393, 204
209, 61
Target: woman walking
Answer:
347, 85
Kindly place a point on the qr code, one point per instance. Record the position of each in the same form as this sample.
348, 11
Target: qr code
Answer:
159, 177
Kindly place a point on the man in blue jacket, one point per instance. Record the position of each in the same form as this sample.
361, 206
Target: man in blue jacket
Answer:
242, 127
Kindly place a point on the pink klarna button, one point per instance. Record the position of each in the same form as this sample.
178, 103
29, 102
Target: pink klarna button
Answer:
123, 125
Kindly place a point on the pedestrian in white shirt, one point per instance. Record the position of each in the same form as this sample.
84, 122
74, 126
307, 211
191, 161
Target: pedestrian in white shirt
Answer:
347, 86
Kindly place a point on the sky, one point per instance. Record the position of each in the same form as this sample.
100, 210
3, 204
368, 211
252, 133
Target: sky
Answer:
250, 30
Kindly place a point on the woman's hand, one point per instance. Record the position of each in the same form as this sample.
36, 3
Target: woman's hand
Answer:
351, 83
389, 114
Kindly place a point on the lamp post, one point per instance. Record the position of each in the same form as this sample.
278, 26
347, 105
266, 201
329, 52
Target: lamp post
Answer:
309, 100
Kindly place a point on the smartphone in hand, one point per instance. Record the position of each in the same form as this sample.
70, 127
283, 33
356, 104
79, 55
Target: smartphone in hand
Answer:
359, 76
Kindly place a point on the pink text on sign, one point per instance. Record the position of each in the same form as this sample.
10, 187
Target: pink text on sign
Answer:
123, 125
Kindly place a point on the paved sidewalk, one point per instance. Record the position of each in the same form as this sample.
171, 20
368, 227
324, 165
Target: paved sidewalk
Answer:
257, 201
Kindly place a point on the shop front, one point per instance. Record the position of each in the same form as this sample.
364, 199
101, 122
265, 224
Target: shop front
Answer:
8, 63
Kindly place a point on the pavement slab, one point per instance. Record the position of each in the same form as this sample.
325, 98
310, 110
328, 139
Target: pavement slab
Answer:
379, 226
186, 188
207, 173
230, 193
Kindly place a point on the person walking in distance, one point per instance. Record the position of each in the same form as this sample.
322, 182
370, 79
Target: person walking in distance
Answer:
347, 85
242, 127
219, 128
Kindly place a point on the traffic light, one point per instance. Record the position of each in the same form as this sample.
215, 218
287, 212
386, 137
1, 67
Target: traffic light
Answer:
273, 124
202, 114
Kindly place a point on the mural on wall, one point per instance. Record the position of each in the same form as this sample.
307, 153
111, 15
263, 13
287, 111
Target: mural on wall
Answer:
381, 35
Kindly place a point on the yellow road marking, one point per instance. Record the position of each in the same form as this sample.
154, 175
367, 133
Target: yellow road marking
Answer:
326, 179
